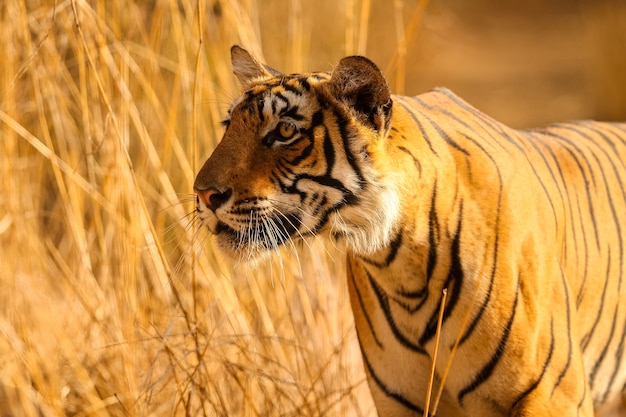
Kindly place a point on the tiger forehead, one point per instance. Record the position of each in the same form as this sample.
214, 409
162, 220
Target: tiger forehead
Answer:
277, 95
290, 82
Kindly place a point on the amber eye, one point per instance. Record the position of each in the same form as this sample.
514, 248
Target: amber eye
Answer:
286, 130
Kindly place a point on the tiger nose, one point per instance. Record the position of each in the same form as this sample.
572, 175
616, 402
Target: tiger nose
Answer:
213, 197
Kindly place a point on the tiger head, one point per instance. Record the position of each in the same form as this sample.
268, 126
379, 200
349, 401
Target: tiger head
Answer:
302, 154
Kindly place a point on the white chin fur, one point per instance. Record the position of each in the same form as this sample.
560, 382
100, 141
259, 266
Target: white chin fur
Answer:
369, 226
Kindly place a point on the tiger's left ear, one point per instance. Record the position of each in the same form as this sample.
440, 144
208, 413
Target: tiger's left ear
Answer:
358, 83
247, 69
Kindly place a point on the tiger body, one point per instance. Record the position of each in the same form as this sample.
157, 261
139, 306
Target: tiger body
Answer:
518, 227
523, 229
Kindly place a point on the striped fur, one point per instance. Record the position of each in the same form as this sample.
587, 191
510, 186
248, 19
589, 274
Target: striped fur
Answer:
525, 229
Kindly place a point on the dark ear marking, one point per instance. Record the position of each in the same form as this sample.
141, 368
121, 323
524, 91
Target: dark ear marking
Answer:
358, 83
247, 69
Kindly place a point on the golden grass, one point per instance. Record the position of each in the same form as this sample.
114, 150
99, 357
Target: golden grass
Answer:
111, 301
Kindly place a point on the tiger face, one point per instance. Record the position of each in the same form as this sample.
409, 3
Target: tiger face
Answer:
296, 160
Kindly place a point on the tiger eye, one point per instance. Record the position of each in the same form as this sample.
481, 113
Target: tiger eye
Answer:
286, 130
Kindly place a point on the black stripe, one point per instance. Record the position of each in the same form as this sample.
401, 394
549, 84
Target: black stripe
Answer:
483, 307
476, 319
565, 145
490, 366
304, 82
276, 97
292, 113
387, 391
260, 104
619, 353
620, 182
383, 301
279, 179
585, 258
531, 139
320, 76
411, 111
394, 246
563, 189
291, 88
582, 171
417, 163
362, 305
604, 131
620, 262
305, 153
433, 234
584, 397
342, 124
587, 337
439, 129
415, 294
596, 367
454, 283
388, 113
316, 120
349, 198
498, 127
569, 334
502, 132
329, 153
544, 368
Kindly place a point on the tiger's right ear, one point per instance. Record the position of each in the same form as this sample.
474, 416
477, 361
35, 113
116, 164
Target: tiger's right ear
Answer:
247, 69
358, 83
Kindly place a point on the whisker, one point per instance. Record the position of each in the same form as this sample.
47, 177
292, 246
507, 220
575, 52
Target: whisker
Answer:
179, 233
286, 237
312, 252
333, 227
198, 237
310, 232
188, 198
187, 221
270, 230
250, 236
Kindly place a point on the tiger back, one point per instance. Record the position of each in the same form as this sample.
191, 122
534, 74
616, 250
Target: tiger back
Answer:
524, 229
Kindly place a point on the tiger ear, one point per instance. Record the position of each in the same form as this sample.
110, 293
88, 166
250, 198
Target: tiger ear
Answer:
247, 69
358, 83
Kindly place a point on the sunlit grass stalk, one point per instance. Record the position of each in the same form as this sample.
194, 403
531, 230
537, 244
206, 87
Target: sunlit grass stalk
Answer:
403, 37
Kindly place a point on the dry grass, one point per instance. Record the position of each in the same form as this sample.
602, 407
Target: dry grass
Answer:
111, 303
106, 309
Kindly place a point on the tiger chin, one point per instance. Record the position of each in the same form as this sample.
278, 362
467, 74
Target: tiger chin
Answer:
524, 229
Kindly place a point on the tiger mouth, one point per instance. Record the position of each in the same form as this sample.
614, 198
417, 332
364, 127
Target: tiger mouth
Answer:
264, 234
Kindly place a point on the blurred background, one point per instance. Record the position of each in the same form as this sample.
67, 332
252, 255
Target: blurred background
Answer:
112, 301
525, 63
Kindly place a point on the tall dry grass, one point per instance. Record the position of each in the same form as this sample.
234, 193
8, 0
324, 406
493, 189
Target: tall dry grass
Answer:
112, 302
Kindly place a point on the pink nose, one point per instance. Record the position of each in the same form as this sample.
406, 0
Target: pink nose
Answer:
212, 197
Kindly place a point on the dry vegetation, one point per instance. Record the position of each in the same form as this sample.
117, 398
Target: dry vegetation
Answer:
111, 300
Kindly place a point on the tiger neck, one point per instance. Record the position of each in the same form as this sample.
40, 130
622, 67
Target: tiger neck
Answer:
422, 255
409, 268
402, 284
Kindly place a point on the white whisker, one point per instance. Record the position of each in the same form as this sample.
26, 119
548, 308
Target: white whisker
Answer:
286, 237
310, 232
271, 231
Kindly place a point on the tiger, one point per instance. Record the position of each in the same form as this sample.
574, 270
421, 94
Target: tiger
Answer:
523, 229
